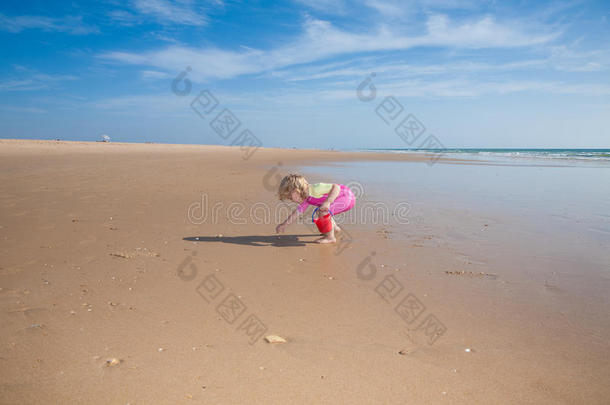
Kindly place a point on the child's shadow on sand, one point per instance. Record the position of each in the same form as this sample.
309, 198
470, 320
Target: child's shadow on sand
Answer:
255, 240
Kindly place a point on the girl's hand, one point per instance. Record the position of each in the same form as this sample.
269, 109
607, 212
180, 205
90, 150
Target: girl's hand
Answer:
324, 207
280, 228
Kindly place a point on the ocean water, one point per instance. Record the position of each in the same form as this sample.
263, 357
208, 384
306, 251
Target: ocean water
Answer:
509, 155
550, 200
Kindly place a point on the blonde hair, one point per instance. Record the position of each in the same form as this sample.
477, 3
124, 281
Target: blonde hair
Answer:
293, 182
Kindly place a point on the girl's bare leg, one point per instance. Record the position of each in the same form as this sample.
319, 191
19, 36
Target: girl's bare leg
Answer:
327, 237
335, 226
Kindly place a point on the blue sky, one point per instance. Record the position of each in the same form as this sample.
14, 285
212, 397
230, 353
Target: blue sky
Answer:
475, 73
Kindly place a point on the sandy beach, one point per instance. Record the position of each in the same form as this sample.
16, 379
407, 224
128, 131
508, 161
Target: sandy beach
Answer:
151, 273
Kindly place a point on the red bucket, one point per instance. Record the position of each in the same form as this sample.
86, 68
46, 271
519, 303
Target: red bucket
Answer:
324, 224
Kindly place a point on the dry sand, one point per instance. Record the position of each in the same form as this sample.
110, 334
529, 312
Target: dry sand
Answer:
109, 294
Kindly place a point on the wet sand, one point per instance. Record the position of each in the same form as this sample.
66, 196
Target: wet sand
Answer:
164, 258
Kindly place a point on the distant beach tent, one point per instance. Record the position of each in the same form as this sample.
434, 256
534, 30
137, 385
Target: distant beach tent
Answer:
105, 138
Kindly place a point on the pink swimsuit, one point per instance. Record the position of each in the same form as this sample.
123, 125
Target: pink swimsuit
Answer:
344, 201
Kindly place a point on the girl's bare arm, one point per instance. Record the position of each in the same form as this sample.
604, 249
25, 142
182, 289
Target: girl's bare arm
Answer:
292, 217
334, 193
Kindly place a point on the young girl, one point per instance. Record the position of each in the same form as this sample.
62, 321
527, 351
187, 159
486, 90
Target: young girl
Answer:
335, 198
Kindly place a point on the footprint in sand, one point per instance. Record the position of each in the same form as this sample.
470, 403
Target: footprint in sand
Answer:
9, 271
549, 286
90, 239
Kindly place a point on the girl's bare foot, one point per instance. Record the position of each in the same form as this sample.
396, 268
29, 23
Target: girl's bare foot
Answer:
336, 227
326, 239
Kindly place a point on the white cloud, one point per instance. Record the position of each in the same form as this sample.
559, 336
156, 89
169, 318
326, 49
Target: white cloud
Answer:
123, 17
326, 6
483, 33
587, 67
567, 59
476, 88
69, 24
412, 88
25, 84
26, 110
157, 105
321, 40
154, 75
391, 8
391, 70
452, 4
30, 79
174, 12
168, 105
